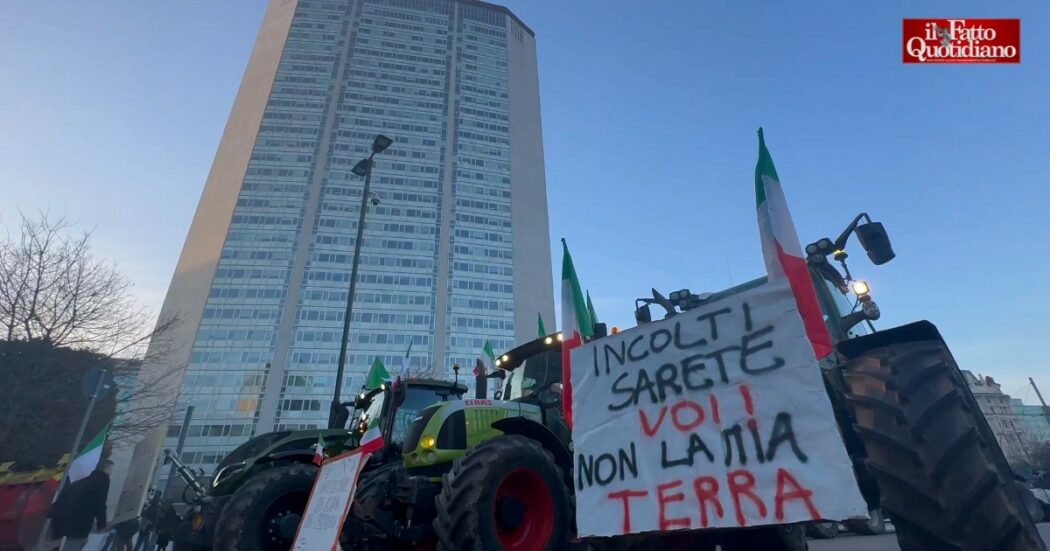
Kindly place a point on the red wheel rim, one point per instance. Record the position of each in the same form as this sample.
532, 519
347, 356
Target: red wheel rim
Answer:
525, 487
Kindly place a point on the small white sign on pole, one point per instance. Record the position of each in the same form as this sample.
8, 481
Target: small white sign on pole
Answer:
330, 500
714, 418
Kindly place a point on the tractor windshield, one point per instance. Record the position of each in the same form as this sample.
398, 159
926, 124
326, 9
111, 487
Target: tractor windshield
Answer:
417, 398
536, 373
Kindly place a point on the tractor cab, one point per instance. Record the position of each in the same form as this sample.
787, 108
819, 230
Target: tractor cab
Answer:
531, 372
382, 403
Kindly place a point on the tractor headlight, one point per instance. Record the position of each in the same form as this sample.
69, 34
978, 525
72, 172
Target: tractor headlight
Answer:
548, 340
428, 442
860, 288
430, 457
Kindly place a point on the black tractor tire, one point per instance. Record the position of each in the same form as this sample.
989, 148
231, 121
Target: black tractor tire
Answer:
252, 518
788, 537
939, 471
822, 530
487, 496
873, 526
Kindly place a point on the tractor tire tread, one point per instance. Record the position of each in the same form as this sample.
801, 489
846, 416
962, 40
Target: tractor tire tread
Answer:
458, 519
232, 525
935, 471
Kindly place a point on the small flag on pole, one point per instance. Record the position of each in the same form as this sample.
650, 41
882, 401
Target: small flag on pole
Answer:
542, 329
87, 460
576, 325
590, 309
481, 367
319, 450
377, 375
405, 363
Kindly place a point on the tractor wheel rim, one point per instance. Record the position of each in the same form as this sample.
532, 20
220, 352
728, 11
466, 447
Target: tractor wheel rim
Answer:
281, 519
534, 526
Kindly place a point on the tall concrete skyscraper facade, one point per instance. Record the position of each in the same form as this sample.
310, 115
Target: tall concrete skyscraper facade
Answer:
456, 252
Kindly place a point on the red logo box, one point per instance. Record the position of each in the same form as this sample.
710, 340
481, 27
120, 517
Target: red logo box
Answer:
962, 40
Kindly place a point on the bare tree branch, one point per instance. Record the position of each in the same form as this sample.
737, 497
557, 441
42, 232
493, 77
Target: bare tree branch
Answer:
54, 290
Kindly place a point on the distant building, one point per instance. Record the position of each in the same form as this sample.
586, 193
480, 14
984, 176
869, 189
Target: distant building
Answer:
1033, 422
995, 404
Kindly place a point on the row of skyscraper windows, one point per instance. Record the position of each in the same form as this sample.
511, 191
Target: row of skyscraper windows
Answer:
229, 356
338, 296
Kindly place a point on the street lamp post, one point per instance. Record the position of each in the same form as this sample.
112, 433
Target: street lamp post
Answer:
362, 168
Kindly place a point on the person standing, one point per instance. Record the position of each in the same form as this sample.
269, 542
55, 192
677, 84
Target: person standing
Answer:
80, 505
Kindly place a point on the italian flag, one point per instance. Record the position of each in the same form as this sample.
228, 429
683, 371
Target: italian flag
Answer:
481, 366
87, 460
406, 367
405, 362
781, 249
576, 325
371, 440
319, 450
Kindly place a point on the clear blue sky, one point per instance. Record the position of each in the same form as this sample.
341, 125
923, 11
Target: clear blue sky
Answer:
110, 113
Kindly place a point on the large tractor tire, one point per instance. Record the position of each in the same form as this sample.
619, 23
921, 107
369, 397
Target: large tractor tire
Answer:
264, 513
505, 493
939, 470
790, 537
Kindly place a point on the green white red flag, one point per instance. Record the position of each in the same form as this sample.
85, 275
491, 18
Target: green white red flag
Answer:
87, 460
782, 251
372, 440
319, 450
576, 326
481, 366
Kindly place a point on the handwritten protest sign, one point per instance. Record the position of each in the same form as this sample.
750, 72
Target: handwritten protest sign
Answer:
717, 417
330, 500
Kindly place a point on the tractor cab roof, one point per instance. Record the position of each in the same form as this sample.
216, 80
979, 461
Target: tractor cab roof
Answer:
436, 383
513, 358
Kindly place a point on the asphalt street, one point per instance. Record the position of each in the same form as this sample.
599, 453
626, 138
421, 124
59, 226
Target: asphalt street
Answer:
885, 542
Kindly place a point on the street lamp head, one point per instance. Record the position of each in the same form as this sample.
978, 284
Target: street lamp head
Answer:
362, 166
381, 143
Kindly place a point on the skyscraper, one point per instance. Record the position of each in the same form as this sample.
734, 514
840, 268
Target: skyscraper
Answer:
456, 252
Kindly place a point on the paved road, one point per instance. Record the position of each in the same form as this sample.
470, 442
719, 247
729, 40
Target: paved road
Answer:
885, 542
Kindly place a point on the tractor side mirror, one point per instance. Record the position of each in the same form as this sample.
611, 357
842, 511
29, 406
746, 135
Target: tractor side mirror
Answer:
338, 416
876, 243
642, 314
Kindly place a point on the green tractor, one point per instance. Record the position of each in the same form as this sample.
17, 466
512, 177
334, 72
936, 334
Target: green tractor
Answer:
490, 474
259, 491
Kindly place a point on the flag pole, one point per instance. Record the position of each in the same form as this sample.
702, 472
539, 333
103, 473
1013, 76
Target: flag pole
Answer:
73, 454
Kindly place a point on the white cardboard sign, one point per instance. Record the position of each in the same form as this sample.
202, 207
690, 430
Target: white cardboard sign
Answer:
717, 417
330, 500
